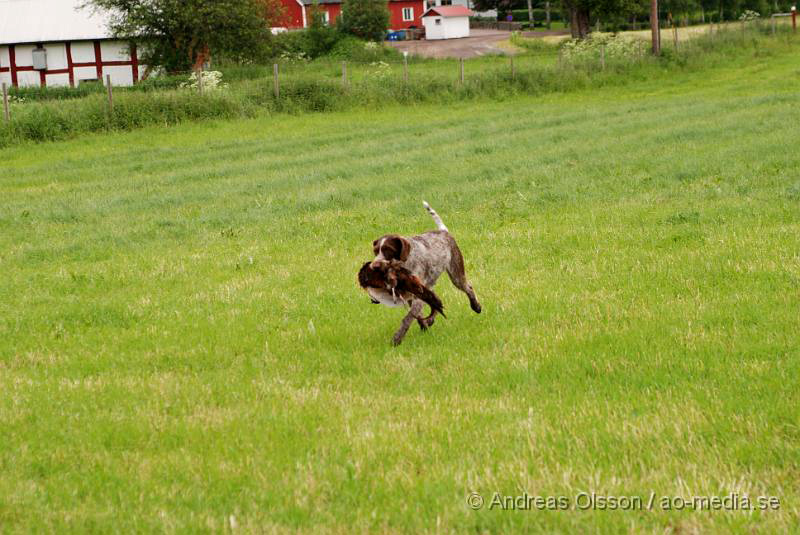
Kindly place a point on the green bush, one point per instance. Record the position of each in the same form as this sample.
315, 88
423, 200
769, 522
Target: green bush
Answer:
367, 19
353, 49
320, 37
291, 45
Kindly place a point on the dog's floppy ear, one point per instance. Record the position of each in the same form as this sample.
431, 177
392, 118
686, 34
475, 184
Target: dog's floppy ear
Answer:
403, 247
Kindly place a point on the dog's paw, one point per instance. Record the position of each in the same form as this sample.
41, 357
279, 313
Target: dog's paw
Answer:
397, 340
425, 323
476, 306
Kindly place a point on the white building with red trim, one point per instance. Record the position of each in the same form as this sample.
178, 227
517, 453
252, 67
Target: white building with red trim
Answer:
59, 43
446, 22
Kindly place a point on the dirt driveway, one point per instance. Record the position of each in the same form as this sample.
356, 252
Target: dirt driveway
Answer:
479, 43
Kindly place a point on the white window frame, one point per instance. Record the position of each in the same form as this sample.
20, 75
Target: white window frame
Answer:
410, 11
326, 17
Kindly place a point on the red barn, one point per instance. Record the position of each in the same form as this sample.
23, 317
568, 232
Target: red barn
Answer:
404, 13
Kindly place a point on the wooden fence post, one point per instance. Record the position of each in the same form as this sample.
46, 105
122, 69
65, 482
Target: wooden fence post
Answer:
513, 73
675, 35
603, 57
5, 103
405, 67
110, 96
199, 74
462, 71
773, 20
344, 73
275, 82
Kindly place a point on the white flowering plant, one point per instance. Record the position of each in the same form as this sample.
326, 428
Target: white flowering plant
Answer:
211, 80
749, 15
379, 69
616, 47
294, 57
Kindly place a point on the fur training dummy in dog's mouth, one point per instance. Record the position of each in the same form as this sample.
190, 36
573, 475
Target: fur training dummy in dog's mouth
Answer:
390, 284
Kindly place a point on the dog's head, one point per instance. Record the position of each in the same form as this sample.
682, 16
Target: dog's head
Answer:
390, 247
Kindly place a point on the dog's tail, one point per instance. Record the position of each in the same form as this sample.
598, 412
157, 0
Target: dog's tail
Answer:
435, 216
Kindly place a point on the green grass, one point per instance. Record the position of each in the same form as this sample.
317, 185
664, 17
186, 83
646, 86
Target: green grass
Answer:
182, 340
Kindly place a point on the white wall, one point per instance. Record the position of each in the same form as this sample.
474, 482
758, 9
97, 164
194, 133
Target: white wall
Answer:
120, 75
457, 27
82, 51
432, 30
450, 27
115, 51
27, 78
56, 56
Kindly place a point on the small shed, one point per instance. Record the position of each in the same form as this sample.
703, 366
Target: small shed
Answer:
446, 22
60, 43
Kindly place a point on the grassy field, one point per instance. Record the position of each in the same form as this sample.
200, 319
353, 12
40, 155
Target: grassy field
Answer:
183, 346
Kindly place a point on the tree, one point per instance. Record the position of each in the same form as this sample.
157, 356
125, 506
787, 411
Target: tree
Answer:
180, 34
367, 19
583, 12
321, 36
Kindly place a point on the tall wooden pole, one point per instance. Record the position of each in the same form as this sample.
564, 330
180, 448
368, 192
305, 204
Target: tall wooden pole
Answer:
654, 27
530, 13
547, 13
110, 96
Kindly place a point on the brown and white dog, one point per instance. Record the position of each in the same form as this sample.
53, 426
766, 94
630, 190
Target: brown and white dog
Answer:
427, 256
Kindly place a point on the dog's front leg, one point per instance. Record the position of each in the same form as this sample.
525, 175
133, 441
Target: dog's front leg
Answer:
416, 309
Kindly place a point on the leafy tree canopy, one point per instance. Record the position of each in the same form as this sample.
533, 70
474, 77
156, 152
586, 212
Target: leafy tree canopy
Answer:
180, 34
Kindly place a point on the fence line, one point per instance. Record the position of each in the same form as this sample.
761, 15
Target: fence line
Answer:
600, 62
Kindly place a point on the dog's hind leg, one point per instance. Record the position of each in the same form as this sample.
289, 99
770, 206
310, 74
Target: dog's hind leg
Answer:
424, 323
414, 313
459, 278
